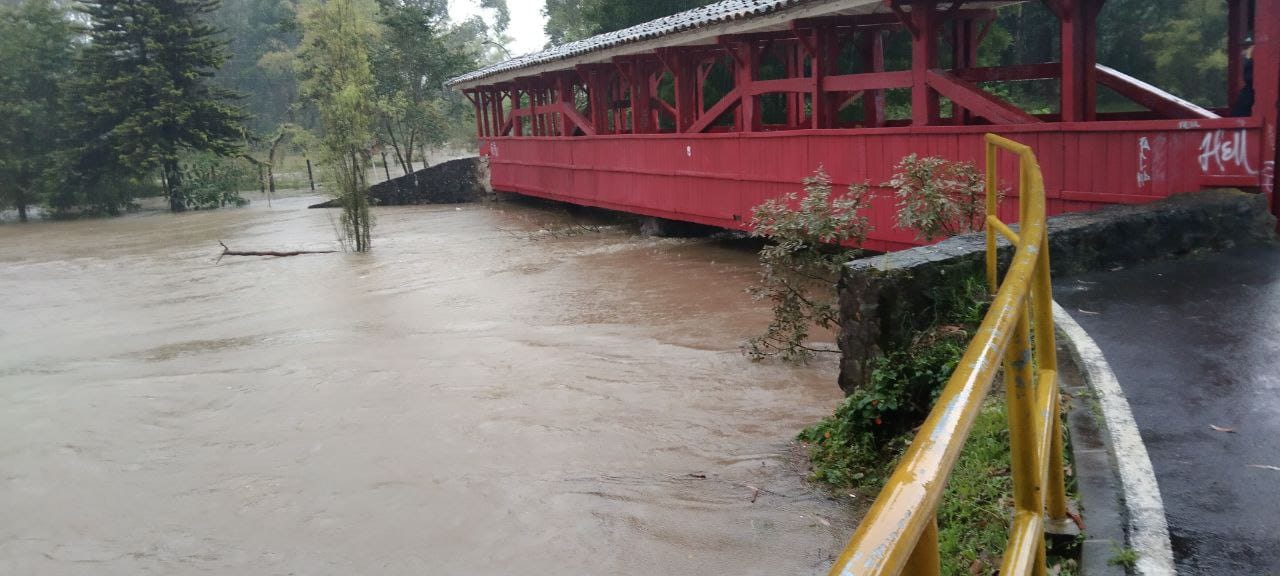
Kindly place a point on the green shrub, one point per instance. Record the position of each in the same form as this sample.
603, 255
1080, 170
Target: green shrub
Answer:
857, 445
212, 181
939, 198
801, 264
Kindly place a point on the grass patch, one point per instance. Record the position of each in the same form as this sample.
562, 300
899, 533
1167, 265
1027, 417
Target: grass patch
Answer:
858, 446
1126, 557
976, 508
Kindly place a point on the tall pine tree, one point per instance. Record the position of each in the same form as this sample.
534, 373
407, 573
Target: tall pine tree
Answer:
36, 51
144, 95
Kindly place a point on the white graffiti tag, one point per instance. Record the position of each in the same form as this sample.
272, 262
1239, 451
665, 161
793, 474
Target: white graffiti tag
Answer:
1144, 168
1268, 177
1223, 151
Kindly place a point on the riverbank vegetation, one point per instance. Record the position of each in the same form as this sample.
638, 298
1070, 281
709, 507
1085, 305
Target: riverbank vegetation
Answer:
810, 237
800, 264
857, 447
106, 101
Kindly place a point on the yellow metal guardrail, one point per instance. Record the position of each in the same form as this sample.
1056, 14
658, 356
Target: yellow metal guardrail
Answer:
900, 533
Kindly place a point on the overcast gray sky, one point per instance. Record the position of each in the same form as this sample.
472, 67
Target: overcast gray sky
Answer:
526, 22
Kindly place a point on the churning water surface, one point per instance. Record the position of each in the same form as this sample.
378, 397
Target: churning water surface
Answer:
485, 393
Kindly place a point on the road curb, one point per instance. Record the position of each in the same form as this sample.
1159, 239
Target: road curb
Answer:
1146, 529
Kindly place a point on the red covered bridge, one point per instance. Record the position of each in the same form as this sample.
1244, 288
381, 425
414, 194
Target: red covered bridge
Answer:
702, 115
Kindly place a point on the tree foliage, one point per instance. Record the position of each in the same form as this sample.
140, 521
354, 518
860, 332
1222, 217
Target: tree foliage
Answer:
937, 197
809, 241
338, 82
261, 36
800, 265
143, 96
411, 62
214, 181
36, 52
569, 20
1189, 51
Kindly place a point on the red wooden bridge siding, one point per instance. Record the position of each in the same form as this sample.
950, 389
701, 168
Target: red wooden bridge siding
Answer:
716, 179
541, 142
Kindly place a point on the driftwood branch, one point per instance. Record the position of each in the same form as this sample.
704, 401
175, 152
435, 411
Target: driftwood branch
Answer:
229, 252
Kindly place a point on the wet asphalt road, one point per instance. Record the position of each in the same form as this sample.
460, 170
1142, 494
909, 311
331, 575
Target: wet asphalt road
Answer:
1195, 343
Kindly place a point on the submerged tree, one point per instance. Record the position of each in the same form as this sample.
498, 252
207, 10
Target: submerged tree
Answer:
338, 82
36, 52
143, 84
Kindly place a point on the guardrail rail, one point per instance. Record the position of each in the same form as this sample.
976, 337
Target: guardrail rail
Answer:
900, 533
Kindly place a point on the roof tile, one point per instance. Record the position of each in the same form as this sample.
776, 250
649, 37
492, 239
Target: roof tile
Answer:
724, 11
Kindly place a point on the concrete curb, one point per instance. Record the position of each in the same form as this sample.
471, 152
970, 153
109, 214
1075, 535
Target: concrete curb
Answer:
1147, 530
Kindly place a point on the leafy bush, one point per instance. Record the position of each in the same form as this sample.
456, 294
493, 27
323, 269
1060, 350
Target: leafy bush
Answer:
212, 181
856, 445
939, 198
801, 264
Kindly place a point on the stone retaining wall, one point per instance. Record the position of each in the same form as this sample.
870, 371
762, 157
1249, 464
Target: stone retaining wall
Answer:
453, 182
881, 298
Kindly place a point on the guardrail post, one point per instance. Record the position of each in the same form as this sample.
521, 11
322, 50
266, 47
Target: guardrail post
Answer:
993, 209
907, 506
925, 560
1047, 359
1020, 399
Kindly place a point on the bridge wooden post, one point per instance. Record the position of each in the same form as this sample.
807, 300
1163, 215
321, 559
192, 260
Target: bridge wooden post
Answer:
535, 110
871, 47
500, 119
824, 59
964, 54
641, 107
794, 66
544, 110
924, 57
747, 64
1079, 57
595, 77
471, 97
561, 96
486, 98
1266, 85
517, 112
1237, 29
682, 65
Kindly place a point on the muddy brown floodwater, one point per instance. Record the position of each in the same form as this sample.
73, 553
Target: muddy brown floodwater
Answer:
473, 397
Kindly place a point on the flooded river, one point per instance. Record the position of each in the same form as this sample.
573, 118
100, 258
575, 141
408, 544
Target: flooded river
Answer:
476, 396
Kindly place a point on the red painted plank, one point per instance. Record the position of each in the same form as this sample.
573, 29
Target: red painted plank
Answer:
867, 81
711, 178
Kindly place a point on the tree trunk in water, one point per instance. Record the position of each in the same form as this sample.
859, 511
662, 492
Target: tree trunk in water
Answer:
173, 178
271, 163
386, 169
408, 152
395, 145
22, 209
310, 177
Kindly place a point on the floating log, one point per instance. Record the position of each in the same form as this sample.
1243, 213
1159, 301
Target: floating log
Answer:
278, 254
